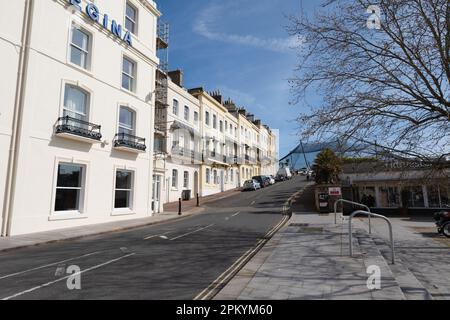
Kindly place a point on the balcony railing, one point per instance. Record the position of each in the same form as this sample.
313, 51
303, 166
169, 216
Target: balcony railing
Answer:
249, 160
77, 127
197, 157
124, 140
192, 155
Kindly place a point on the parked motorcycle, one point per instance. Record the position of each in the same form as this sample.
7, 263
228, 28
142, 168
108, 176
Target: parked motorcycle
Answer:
442, 219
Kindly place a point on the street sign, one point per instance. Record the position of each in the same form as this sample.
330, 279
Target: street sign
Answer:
335, 191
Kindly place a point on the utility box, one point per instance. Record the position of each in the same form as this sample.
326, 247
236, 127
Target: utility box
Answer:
324, 203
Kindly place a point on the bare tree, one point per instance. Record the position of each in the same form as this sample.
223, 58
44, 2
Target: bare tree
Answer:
386, 82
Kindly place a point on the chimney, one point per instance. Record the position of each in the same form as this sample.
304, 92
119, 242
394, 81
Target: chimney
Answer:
251, 117
217, 96
257, 122
177, 77
230, 105
243, 112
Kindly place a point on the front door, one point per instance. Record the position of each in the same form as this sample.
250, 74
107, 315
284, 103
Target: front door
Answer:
156, 198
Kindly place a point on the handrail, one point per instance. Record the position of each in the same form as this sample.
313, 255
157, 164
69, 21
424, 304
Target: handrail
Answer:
350, 230
354, 203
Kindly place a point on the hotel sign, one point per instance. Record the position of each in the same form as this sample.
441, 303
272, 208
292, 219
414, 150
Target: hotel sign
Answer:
93, 13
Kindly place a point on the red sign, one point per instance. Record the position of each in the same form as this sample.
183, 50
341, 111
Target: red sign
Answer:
335, 191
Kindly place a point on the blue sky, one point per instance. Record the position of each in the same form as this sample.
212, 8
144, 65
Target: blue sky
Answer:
240, 47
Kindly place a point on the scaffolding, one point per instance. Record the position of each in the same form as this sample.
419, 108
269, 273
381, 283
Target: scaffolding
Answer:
161, 87
162, 45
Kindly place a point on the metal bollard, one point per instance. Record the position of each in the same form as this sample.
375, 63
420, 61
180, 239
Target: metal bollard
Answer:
198, 200
179, 206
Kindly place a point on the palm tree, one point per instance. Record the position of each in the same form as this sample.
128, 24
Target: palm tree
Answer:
327, 167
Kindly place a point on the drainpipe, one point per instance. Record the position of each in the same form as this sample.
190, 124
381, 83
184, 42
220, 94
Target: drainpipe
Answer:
18, 118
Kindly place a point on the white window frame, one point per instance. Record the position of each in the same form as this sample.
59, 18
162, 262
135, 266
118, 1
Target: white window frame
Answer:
175, 107
133, 76
175, 179
73, 45
130, 209
135, 22
196, 117
187, 113
186, 179
207, 118
216, 176
208, 176
88, 100
73, 214
119, 125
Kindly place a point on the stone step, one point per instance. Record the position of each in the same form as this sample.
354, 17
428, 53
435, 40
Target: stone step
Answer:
412, 288
390, 288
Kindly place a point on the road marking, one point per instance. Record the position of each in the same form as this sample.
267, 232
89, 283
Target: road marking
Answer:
162, 236
226, 276
48, 265
186, 234
234, 215
66, 277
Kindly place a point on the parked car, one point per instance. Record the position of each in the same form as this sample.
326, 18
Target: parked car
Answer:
271, 180
251, 185
263, 181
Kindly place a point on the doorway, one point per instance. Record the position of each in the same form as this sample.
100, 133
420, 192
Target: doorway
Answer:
156, 197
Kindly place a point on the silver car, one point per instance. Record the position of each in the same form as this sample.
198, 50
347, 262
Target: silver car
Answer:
251, 185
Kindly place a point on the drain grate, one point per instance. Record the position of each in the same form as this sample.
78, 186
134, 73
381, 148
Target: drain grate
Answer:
299, 224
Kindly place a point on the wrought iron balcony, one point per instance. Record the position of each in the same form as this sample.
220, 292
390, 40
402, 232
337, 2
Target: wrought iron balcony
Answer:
129, 142
197, 157
78, 129
179, 151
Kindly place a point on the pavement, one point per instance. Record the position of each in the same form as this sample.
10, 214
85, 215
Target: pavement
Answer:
309, 259
174, 259
188, 206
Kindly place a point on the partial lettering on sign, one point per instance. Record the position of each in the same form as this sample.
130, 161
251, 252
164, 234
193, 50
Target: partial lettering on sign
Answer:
93, 13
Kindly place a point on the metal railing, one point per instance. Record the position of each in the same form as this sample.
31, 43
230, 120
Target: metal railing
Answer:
78, 127
354, 203
129, 141
350, 230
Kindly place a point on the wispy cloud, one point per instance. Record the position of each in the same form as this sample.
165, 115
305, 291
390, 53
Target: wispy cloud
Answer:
206, 26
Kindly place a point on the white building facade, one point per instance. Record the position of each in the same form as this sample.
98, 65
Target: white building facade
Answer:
78, 112
180, 167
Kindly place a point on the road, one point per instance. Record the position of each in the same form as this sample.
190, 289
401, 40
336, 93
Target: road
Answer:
173, 260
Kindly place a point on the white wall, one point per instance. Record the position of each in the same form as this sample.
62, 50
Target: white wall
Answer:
11, 21
171, 194
41, 149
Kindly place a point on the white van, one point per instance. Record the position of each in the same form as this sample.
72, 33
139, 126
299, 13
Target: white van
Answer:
284, 173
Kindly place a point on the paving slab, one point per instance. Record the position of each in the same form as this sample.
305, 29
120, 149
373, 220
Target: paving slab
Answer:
308, 262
